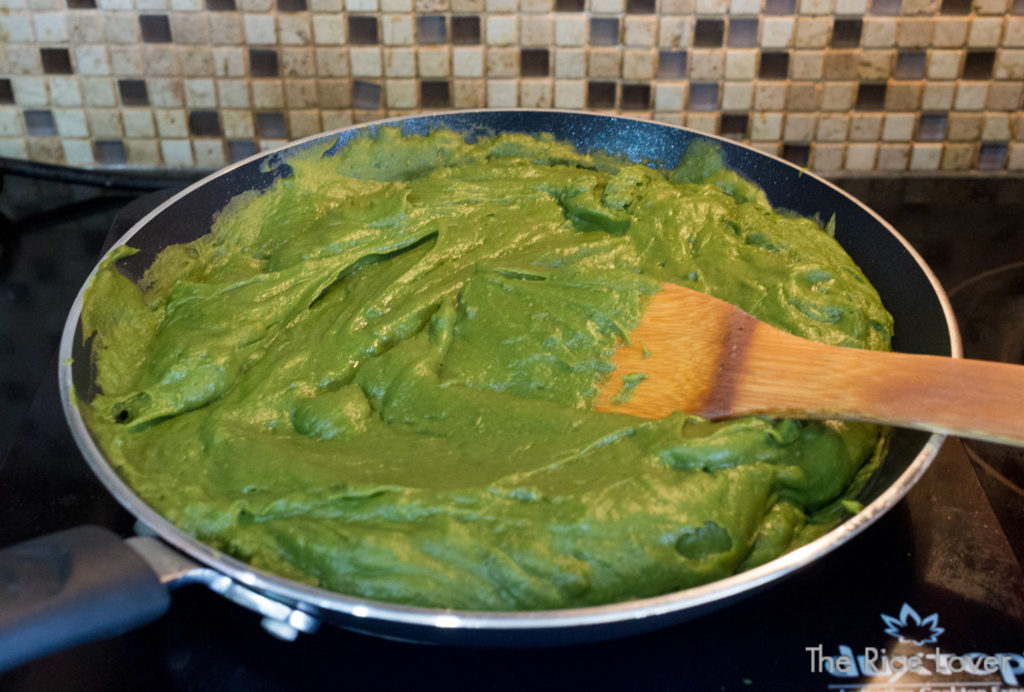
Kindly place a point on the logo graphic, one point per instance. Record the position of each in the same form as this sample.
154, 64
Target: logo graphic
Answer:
911, 627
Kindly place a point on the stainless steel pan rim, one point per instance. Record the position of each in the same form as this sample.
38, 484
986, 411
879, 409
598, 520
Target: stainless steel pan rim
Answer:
323, 603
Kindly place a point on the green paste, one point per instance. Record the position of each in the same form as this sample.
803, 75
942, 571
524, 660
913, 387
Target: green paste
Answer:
376, 377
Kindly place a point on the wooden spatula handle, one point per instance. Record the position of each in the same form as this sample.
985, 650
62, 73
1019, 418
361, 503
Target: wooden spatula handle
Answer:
970, 398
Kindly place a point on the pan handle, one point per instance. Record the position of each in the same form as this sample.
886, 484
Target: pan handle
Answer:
72, 587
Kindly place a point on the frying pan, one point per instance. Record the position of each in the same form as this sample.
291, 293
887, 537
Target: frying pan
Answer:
88, 583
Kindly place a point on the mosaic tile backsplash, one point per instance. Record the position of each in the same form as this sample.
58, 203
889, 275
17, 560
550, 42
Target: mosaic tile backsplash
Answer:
834, 85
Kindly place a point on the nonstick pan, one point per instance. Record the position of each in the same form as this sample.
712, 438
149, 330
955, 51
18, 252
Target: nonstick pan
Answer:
88, 583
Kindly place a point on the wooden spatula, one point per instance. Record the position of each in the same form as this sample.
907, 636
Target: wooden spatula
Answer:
701, 355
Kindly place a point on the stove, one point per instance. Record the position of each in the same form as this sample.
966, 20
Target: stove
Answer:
929, 597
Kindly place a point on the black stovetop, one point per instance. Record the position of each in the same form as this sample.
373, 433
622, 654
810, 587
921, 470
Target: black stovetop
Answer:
947, 549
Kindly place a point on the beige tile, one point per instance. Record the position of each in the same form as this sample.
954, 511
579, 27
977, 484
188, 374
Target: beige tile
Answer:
991, 6
861, 157
126, 61
464, 6
200, 93
50, 27
500, 31
838, 96
1018, 129
30, 91
70, 122
970, 96
865, 127
832, 127
401, 62
267, 94
1015, 159
298, 62
329, 6
535, 93
171, 122
957, 157
10, 123
669, 96
401, 93
665, 117
876, 64
124, 28
851, 7
501, 93
745, 7
950, 32
570, 93
807, 64
777, 32
365, 62
879, 32
12, 148
740, 64
570, 30
294, 30
99, 91
329, 30
228, 62
915, 33
703, 122
1005, 96
177, 153
816, 6
502, 62
433, 61
468, 61
944, 64
397, 29
197, 61
893, 157
604, 63
64, 91
770, 96
765, 126
90, 60
827, 157
536, 31
160, 61
1009, 64
142, 152
45, 150
640, 30
706, 65
799, 128
712, 7
985, 32
903, 96
607, 6
674, 32
77, 152
1014, 36
964, 127
910, 8
191, 28
938, 96
671, 7
812, 32
209, 153
536, 6
737, 96
166, 93
259, 30
334, 94
300, 93
506, 6
233, 93
804, 96
468, 93
569, 64
332, 62
841, 64
335, 119
899, 127
639, 64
